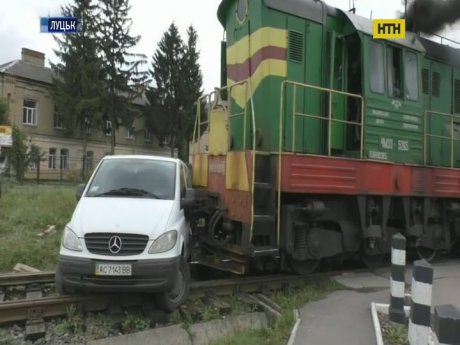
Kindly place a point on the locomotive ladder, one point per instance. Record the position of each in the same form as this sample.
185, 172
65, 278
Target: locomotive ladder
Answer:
263, 232
263, 206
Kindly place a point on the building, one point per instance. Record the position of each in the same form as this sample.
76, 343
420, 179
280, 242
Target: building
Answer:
27, 87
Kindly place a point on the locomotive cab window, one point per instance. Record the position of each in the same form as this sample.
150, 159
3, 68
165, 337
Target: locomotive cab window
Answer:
411, 76
377, 77
241, 10
394, 72
457, 96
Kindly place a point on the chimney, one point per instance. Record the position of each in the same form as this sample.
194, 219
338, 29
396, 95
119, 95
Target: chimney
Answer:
33, 57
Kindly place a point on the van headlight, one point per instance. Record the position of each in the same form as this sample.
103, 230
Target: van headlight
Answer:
165, 242
71, 241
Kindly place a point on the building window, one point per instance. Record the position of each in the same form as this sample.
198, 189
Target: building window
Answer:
108, 127
29, 112
33, 165
129, 133
87, 126
147, 136
58, 121
89, 160
64, 159
52, 158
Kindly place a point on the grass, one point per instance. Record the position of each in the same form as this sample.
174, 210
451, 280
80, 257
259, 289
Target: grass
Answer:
99, 326
393, 333
72, 323
25, 212
397, 335
279, 333
202, 309
134, 322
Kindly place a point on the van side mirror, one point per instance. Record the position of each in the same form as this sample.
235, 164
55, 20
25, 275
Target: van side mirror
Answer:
188, 199
79, 192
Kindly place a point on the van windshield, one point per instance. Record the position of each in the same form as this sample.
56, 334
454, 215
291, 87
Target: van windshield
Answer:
134, 178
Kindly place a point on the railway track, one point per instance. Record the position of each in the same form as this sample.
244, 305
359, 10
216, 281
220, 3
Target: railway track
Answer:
35, 306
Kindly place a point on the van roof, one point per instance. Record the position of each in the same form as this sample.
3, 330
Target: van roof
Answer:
151, 157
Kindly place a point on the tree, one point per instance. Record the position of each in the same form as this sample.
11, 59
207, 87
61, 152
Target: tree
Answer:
20, 156
78, 75
123, 76
178, 79
165, 99
193, 82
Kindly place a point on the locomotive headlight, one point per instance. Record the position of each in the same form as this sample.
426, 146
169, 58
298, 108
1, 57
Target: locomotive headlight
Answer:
71, 241
165, 242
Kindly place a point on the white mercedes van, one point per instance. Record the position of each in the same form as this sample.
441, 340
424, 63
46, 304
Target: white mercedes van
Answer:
128, 232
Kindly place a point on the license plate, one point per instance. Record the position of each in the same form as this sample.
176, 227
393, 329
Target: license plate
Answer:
113, 269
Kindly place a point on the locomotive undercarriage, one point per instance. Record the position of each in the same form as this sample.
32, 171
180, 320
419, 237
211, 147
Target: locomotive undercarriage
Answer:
329, 228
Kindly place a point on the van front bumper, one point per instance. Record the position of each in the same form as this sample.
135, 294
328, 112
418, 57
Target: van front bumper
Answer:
152, 275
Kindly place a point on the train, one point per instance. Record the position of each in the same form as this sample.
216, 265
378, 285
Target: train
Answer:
323, 142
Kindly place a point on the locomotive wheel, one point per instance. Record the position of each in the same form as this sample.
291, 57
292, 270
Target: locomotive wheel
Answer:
373, 261
426, 253
303, 267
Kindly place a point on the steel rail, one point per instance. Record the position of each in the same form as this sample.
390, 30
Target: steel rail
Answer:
27, 309
15, 279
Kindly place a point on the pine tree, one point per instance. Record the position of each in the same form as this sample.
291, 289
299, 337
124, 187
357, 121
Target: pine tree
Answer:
178, 78
123, 75
192, 90
77, 76
166, 104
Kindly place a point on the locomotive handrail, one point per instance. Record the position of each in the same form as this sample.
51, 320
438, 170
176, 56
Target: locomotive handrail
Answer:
198, 123
329, 120
427, 135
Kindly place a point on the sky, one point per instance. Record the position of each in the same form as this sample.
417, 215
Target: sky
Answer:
19, 26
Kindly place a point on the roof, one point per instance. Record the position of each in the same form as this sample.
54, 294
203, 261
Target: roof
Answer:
444, 53
312, 10
365, 25
27, 70
151, 157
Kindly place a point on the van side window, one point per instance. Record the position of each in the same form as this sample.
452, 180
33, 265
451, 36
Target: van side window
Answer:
188, 178
183, 181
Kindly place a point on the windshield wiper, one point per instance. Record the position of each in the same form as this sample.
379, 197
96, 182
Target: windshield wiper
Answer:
129, 192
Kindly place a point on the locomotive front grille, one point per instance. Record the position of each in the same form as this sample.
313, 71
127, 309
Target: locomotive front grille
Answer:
131, 244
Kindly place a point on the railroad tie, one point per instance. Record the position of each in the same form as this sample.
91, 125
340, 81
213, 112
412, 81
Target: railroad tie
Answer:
421, 295
446, 325
397, 281
35, 325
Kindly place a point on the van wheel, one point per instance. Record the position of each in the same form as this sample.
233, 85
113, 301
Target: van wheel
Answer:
170, 300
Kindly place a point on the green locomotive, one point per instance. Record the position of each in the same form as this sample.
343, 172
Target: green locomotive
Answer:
323, 142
